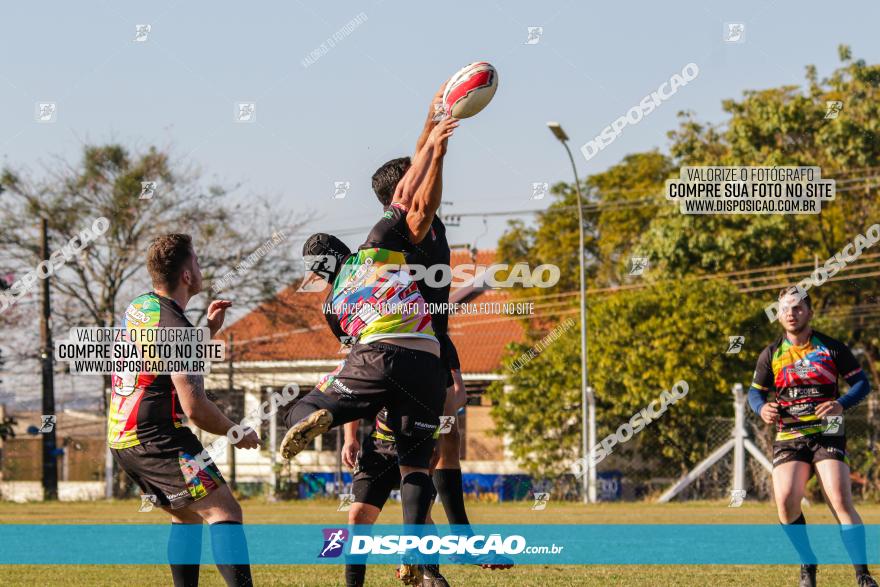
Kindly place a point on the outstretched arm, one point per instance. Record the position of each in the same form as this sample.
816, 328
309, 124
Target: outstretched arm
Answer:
427, 195
430, 121
409, 183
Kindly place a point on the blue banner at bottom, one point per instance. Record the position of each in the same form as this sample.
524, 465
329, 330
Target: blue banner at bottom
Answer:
556, 544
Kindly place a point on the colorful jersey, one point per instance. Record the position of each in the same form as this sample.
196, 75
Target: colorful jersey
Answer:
802, 377
143, 406
374, 301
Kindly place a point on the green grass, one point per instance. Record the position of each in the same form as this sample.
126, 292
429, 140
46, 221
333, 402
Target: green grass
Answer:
324, 512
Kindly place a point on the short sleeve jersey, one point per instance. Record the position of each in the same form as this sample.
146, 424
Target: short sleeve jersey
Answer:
374, 295
802, 377
144, 406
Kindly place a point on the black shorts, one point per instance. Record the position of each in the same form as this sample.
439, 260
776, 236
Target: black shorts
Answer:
407, 382
376, 473
448, 357
810, 449
167, 473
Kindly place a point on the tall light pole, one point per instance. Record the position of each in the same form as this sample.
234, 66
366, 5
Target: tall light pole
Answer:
588, 408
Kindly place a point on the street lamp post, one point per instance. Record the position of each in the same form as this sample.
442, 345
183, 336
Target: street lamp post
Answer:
588, 408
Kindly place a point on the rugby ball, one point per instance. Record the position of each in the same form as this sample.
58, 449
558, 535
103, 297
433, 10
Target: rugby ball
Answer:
470, 90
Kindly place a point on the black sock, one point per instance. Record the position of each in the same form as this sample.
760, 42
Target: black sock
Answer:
355, 575
853, 536
448, 482
797, 534
184, 553
229, 545
416, 490
416, 495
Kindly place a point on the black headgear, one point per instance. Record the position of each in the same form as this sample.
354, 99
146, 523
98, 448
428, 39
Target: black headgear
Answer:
324, 254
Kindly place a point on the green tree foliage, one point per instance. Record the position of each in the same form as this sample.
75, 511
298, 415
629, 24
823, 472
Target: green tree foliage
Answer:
644, 339
638, 345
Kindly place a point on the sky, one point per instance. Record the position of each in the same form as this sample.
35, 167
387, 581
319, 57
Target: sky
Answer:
362, 101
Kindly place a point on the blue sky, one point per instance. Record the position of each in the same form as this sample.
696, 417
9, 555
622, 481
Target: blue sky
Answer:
364, 100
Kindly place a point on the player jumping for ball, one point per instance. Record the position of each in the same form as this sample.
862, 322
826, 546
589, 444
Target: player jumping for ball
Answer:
373, 478
147, 436
433, 251
801, 370
396, 361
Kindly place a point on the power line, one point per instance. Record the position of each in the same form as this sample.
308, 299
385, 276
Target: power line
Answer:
649, 199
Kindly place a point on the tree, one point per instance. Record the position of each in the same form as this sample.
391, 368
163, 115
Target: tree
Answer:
108, 183
93, 286
628, 216
641, 342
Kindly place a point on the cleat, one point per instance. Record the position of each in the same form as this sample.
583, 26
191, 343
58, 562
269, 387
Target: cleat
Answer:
433, 578
410, 574
808, 576
303, 432
866, 580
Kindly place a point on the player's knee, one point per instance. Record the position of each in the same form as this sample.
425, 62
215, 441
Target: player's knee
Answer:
788, 504
838, 502
184, 516
225, 509
363, 514
235, 513
407, 469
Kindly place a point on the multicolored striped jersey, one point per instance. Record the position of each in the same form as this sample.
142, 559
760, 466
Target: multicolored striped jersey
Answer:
802, 377
374, 295
144, 406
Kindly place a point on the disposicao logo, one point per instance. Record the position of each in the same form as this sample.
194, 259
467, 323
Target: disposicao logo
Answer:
334, 542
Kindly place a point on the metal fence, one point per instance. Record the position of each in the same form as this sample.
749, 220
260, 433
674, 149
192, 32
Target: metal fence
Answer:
644, 475
631, 472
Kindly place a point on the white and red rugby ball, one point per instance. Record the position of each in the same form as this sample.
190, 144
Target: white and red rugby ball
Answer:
470, 90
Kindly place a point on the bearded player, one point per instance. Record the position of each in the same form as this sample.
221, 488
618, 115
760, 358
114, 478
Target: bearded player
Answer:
151, 444
396, 361
801, 370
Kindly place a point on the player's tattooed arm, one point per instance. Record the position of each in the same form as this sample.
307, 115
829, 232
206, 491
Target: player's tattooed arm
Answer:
200, 410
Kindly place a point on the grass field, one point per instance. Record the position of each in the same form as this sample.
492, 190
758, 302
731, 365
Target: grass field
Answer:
322, 512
